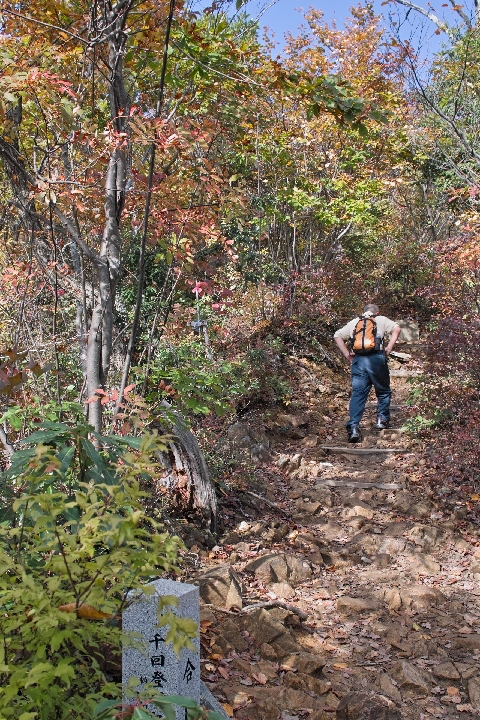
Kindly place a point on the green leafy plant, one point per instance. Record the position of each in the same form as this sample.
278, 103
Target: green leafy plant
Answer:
74, 542
140, 710
195, 384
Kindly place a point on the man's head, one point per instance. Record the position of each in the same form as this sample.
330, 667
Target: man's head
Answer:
371, 308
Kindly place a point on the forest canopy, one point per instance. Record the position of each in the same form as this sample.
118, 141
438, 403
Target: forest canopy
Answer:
159, 167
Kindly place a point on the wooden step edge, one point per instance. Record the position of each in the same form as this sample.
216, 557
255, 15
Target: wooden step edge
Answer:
362, 451
365, 485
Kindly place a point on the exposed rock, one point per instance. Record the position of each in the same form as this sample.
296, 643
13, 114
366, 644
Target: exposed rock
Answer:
283, 590
360, 706
300, 420
470, 642
388, 688
409, 332
306, 663
359, 509
230, 631
252, 439
268, 652
427, 536
475, 568
409, 679
292, 426
341, 558
260, 453
423, 564
274, 535
467, 671
280, 568
221, 586
295, 699
282, 461
416, 597
446, 671
474, 692
308, 508
352, 606
422, 509
392, 546
382, 560
286, 645
322, 495
268, 710
402, 501
296, 493
301, 681
367, 543
263, 627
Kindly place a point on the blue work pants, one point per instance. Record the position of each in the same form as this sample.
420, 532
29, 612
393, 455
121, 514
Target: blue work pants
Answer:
368, 370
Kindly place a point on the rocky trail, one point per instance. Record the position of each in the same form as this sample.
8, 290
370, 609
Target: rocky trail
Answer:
341, 589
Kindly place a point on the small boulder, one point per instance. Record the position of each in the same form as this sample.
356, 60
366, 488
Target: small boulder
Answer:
286, 645
446, 671
308, 508
415, 597
402, 501
322, 495
283, 590
423, 564
422, 509
267, 652
249, 438
426, 536
221, 586
230, 632
474, 692
352, 606
409, 679
470, 642
388, 688
360, 706
359, 510
392, 546
280, 568
382, 560
303, 662
263, 627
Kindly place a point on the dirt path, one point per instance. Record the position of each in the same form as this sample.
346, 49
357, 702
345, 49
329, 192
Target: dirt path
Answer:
383, 584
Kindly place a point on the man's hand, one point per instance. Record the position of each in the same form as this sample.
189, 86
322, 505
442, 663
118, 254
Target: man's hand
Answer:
395, 333
344, 349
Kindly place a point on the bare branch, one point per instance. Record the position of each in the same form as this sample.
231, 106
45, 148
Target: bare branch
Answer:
426, 13
463, 15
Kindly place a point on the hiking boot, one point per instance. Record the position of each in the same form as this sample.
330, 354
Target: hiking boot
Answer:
382, 424
354, 434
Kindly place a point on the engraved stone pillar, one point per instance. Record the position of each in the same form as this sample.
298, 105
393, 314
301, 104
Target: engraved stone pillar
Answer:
158, 664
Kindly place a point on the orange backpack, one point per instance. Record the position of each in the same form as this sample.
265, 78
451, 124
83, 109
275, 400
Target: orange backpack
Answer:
364, 340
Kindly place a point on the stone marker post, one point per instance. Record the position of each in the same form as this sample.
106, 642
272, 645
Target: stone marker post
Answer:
159, 665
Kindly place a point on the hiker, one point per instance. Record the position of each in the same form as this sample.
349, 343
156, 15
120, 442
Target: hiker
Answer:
368, 358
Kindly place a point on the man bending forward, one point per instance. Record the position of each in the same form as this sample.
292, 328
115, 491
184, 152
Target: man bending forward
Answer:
367, 370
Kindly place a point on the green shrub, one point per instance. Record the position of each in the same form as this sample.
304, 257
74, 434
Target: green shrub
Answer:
74, 540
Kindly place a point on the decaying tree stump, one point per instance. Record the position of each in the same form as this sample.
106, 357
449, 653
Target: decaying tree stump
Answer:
187, 475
